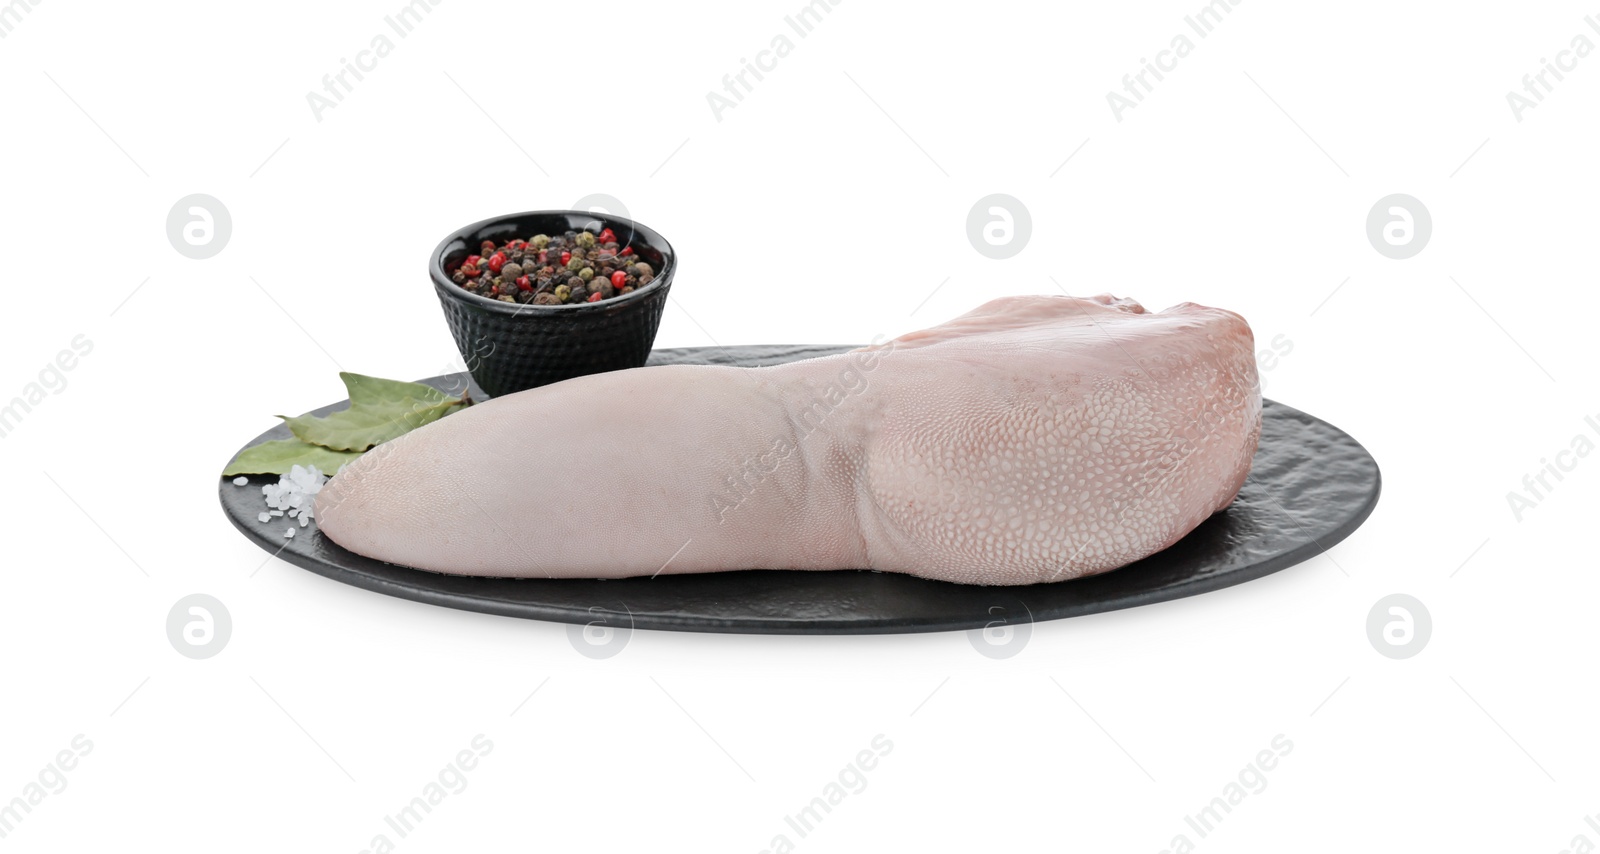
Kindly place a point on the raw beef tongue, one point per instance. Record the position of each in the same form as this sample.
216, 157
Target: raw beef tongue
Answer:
1032, 439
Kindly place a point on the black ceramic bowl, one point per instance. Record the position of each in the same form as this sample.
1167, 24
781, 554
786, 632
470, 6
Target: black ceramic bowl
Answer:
510, 347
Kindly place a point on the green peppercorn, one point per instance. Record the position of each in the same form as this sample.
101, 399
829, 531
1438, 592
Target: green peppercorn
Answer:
591, 263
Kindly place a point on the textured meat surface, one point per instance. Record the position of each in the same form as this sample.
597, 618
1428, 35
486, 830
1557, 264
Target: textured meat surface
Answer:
1033, 439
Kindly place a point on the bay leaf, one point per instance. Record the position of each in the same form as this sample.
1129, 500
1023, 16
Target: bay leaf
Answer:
277, 456
368, 390
379, 410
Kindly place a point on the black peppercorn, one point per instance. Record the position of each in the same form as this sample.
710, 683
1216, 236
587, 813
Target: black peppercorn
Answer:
593, 270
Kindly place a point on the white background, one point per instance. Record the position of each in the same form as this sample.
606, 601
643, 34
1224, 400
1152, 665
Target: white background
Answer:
827, 207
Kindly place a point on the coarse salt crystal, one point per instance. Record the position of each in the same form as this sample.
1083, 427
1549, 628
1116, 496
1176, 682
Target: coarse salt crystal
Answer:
289, 533
241, 480
295, 493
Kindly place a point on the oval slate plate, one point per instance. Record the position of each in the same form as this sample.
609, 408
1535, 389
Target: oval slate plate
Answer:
1311, 485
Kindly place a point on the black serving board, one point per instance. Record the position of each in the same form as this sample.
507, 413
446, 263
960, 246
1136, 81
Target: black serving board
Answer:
1311, 485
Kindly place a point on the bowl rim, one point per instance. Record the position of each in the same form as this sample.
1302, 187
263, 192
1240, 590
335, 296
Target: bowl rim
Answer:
450, 289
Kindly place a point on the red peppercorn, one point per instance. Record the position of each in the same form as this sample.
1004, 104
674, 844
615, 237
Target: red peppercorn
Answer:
473, 260
496, 261
524, 283
606, 236
626, 250
494, 290
566, 257
544, 255
618, 279
516, 244
594, 298
469, 270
